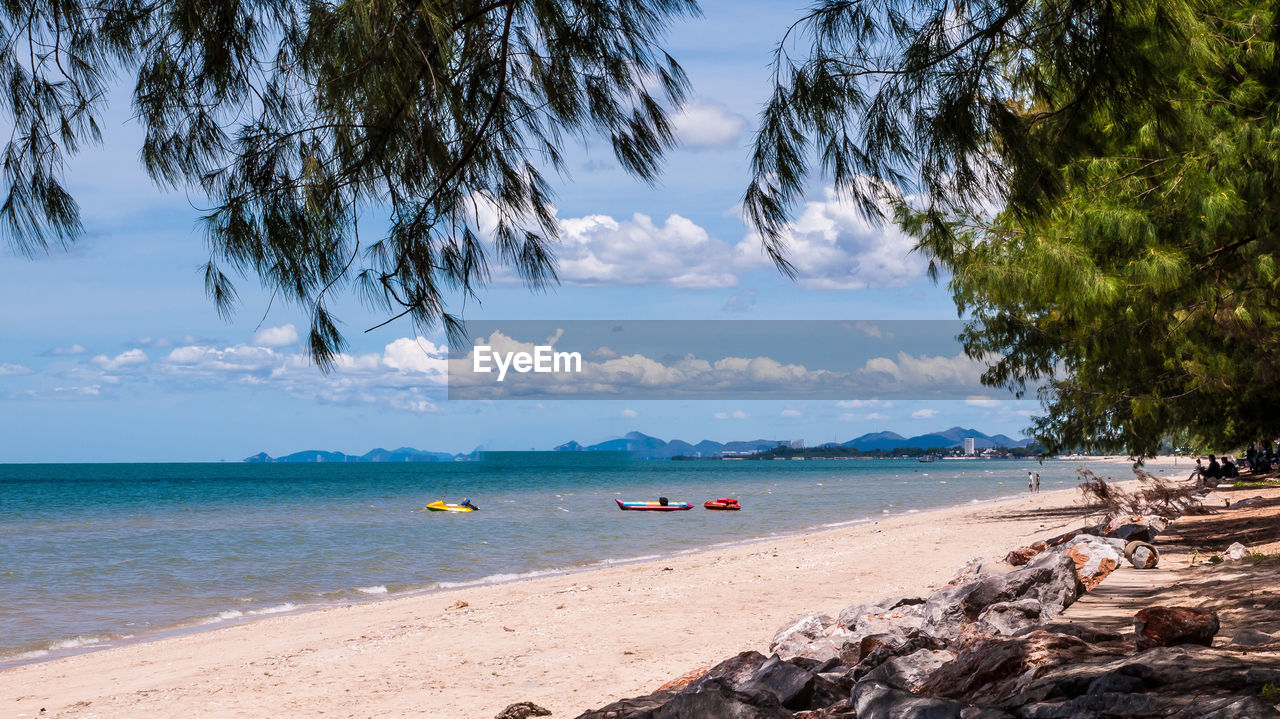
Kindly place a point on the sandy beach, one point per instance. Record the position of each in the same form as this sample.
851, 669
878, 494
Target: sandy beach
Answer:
569, 643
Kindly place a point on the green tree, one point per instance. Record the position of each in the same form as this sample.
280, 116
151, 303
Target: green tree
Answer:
298, 119
1096, 177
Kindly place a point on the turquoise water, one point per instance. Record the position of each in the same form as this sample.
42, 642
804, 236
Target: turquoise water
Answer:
99, 554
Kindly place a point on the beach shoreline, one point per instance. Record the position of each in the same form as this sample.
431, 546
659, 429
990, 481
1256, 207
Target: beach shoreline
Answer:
569, 641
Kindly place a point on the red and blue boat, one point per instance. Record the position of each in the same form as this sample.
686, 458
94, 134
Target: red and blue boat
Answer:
653, 506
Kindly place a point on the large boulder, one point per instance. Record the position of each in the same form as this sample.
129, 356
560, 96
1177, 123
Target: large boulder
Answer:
1050, 579
719, 700
1010, 617
807, 636
873, 659
793, 686
1163, 682
908, 672
989, 672
1135, 528
874, 700
1095, 558
1163, 626
633, 708
734, 671
1022, 555
796, 684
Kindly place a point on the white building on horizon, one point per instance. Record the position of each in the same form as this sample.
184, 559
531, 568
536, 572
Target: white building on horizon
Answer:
968, 446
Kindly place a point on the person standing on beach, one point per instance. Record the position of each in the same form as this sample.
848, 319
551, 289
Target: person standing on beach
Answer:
1031, 482
1037, 482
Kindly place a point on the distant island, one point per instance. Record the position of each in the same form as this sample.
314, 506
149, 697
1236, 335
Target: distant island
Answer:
643, 446
403, 454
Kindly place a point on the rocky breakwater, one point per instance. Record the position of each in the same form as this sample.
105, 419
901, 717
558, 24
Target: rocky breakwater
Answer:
987, 645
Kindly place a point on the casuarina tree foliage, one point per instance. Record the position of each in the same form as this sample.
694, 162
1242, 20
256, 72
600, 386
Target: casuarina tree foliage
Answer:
1096, 177
305, 122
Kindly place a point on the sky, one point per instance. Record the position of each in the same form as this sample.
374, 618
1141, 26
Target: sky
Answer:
112, 353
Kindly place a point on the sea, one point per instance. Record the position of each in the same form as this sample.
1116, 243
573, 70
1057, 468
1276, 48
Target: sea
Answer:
96, 555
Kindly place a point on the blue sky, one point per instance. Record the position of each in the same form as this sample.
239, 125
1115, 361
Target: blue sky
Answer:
112, 352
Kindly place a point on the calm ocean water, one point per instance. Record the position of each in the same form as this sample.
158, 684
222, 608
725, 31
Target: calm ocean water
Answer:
93, 555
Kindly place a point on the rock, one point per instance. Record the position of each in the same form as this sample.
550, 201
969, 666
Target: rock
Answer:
969, 571
1235, 552
634, 708
1190, 671
792, 686
910, 671
523, 710
735, 671
1022, 555
988, 672
1090, 633
883, 654
806, 636
1141, 555
842, 709
873, 700
1245, 503
1130, 528
1095, 558
1050, 578
1170, 626
718, 700
796, 684
1229, 707
1010, 617
864, 619
1112, 706
1251, 638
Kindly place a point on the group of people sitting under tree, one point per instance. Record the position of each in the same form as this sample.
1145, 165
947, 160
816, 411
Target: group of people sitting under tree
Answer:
1225, 470
1260, 459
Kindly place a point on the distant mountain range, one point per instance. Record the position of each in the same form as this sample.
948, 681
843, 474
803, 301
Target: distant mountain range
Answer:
403, 454
642, 446
953, 437
645, 447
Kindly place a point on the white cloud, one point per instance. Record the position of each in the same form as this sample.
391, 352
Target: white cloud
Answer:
921, 376
630, 413
736, 414
707, 124
282, 336
75, 349
128, 359
408, 374
11, 370
871, 330
599, 250
982, 402
924, 413
834, 248
416, 355
861, 403
791, 413
739, 414
721, 415
855, 417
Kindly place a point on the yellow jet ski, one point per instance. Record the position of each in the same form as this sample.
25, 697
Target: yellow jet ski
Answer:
440, 506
